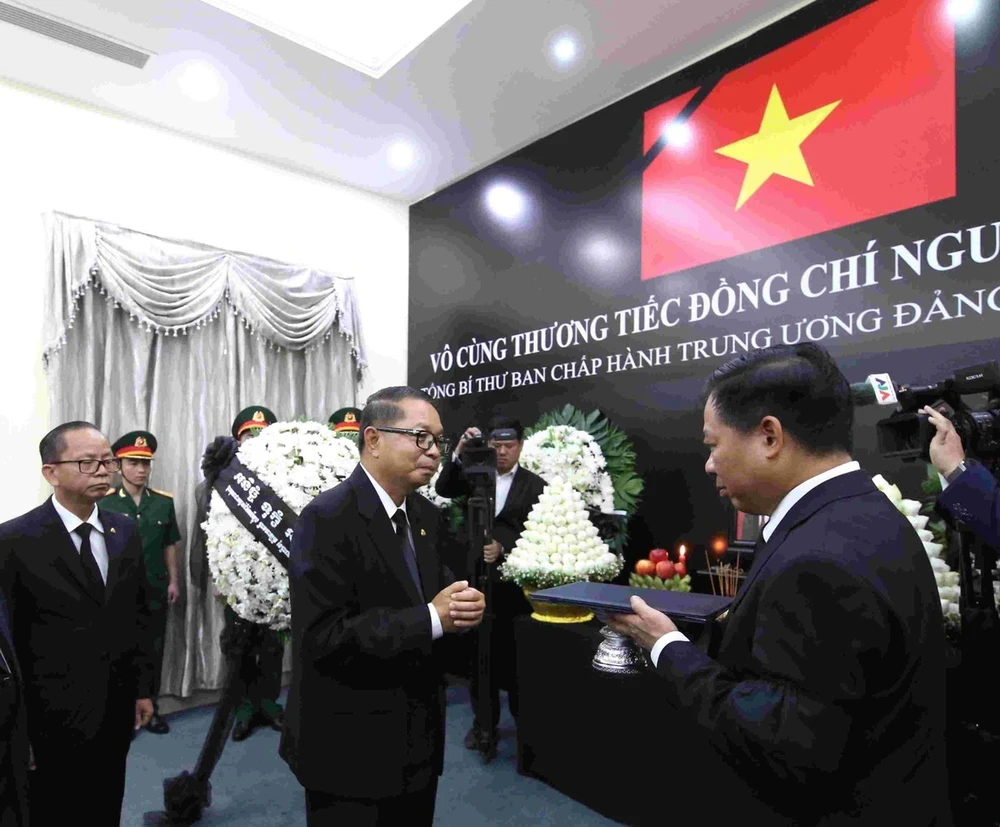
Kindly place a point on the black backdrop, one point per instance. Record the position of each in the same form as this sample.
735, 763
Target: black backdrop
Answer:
571, 249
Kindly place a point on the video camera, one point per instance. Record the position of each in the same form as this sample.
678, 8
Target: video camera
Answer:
479, 465
907, 434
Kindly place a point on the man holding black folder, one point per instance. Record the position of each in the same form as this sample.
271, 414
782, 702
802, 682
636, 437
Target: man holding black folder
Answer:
827, 692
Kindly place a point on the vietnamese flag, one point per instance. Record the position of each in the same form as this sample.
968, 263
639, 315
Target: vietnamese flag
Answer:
853, 121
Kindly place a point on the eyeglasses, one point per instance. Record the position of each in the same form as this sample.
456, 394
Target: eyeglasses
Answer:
89, 466
425, 439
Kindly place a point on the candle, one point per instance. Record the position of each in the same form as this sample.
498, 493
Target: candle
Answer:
683, 551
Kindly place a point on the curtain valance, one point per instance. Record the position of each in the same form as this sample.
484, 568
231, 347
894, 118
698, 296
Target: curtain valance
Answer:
169, 286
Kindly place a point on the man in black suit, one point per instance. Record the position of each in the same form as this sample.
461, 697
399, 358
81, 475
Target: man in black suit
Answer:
827, 692
517, 490
364, 725
75, 584
13, 733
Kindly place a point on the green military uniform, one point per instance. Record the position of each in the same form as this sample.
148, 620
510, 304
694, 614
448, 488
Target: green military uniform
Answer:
260, 670
158, 528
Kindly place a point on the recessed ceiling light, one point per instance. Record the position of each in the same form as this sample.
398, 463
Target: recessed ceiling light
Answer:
199, 80
370, 37
565, 49
678, 134
505, 202
402, 155
961, 9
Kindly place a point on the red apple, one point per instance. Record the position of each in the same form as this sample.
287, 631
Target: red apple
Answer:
645, 567
681, 568
658, 555
665, 569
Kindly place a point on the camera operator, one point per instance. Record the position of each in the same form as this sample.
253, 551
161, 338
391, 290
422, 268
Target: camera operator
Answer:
517, 490
970, 491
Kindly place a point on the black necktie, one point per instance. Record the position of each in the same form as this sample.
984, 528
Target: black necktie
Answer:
409, 555
91, 571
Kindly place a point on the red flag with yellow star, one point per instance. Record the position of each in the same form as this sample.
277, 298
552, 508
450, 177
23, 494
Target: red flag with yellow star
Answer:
853, 121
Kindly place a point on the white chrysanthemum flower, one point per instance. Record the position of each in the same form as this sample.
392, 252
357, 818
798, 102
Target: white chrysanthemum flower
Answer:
298, 460
574, 455
946, 579
562, 545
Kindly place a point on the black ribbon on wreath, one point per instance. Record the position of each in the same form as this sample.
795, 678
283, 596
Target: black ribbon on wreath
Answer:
271, 521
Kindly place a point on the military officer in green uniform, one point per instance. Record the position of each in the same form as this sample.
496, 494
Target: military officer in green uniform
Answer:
345, 422
154, 511
261, 667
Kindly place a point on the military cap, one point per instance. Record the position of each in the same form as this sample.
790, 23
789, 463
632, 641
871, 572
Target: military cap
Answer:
256, 417
346, 420
135, 445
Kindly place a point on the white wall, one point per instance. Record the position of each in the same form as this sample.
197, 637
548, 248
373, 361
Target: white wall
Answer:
55, 155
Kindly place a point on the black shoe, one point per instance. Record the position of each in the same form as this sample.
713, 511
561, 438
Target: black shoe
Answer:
158, 725
244, 729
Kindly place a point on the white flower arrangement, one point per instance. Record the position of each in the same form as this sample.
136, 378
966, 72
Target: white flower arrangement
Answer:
559, 543
575, 456
298, 460
947, 580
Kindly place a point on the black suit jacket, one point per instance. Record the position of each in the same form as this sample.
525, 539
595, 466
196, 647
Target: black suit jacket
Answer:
13, 733
827, 694
365, 713
509, 523
84, 663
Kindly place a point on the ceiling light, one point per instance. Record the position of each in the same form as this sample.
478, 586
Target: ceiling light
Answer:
505, 202
564, 49
678, 134
601, 250
402, 155
199, 80
369, 37
961, 9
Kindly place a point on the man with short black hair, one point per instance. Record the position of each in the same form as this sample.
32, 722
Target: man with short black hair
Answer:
517, 491
364, 727
827, 691
75, 584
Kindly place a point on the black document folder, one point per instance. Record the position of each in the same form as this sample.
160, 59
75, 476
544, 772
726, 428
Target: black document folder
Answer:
606, 598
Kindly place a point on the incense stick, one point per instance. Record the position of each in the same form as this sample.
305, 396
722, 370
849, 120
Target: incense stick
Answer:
708, 563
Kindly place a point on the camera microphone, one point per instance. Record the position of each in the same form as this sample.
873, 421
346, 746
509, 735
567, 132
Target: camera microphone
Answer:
878, 389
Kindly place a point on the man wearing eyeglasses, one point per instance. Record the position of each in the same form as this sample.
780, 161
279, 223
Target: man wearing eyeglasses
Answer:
75, 585
364, 729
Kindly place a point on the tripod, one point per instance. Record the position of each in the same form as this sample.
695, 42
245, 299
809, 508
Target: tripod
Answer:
480, 522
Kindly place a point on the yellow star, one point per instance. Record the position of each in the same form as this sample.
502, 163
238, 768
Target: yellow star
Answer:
776, 148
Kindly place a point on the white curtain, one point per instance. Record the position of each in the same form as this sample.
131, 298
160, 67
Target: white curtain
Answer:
177, 338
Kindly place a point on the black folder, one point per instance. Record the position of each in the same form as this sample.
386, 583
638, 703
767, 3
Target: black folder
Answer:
606, 598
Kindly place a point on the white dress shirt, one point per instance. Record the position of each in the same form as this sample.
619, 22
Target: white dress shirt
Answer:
97, 544
390, 509
504, 483
789, 500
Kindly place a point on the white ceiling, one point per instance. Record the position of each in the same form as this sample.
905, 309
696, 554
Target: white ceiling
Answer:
481, 87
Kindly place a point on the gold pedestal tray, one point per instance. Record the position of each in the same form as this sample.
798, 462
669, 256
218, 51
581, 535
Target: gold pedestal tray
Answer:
554, 613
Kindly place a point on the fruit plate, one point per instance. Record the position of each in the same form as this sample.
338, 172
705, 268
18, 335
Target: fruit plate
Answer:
607, 598
651, 581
